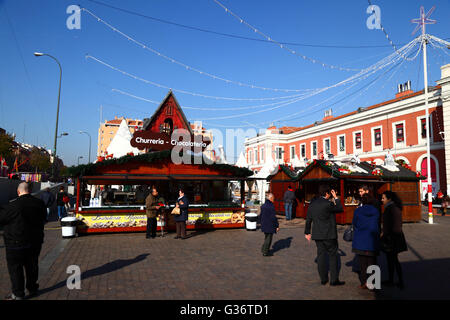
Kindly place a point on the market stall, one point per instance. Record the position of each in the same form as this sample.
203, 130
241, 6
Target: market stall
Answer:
279, 183
121, 186
346, 178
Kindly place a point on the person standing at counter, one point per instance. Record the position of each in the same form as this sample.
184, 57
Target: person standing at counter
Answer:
152, 208
180, 220
269, 224
289, 199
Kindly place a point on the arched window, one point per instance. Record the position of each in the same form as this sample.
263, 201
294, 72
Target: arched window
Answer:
167, 126
433, 169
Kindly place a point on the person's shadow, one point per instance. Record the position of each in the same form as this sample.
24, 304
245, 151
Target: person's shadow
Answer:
281, 244
106, 268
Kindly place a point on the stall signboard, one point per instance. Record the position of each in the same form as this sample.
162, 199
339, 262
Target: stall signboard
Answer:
226, 217
105, 221
162, 141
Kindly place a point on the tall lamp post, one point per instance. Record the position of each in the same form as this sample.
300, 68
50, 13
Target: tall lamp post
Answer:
89, 144
39, 54
421, 23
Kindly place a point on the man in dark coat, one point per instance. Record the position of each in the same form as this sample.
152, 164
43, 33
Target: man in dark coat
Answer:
269, 223
48, 198
288, 198
23, 221
321, 213
153, 206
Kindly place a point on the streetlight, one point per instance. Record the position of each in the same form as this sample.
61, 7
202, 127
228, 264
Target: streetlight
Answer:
63, 134
89, 144
39, 54
78, 161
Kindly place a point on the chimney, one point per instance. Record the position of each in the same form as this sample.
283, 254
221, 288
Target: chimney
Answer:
404, 89
328, 114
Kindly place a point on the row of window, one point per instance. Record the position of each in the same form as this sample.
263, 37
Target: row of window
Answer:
398, 135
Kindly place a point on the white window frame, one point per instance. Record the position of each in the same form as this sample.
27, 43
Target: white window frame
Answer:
325, 154
421, 140
261, 155
314, 156
302, 145
339, 152
372, 132
290, 152
250, 156
255, 155
356, 151
394, 134
277, 153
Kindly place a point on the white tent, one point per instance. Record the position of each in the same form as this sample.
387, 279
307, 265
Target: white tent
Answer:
120, 144
241, 162
269, 168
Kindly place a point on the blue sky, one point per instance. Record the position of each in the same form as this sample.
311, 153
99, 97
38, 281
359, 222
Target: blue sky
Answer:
28, 85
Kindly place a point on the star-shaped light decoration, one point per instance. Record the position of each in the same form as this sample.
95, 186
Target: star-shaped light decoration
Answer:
423, 20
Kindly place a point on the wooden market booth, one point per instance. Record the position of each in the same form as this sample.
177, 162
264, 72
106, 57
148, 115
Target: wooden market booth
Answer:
206, 186
346, 180
279, 183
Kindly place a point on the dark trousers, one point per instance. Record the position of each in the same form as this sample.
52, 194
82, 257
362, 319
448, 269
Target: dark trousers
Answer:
181, 228
19, 260
267, 242
151, 227
394, 264
330, 248
365, 262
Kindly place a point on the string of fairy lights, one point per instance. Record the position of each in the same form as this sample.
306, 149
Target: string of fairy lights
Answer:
280, 45
405, 53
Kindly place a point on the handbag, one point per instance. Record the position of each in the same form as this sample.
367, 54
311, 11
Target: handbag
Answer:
348, 234
176, 211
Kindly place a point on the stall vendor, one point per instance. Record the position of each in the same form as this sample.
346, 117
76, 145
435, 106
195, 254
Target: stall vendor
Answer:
154, 205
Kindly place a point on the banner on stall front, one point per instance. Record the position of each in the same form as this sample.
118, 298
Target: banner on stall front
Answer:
215, 218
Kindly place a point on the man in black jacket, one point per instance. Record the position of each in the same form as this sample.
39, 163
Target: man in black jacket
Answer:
321, 213
289, 199
269, 224
23, 232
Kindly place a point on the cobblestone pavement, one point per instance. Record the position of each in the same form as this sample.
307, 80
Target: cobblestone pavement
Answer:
227, 264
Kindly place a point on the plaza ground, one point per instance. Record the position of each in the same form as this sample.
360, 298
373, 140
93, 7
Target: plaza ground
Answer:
227, 264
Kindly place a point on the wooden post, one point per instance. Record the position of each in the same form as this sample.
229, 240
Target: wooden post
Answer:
343, 201
242, 192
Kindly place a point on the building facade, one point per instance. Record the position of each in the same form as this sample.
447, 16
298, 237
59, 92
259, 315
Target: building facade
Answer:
396, 126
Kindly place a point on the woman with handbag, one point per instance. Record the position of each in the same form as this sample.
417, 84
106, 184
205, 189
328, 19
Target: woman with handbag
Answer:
392, 239
181, 218
366, 236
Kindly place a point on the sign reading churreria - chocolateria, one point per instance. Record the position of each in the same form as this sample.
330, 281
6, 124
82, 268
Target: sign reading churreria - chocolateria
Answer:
162, 141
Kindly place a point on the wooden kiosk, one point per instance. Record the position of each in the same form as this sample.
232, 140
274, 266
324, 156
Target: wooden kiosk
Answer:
206, 186
279, 183
347, 180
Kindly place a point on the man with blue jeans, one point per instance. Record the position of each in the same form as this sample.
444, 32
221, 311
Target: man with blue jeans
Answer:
289, 198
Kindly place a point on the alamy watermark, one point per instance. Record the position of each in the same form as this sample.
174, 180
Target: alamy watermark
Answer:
374, 20
74, 280
74, 20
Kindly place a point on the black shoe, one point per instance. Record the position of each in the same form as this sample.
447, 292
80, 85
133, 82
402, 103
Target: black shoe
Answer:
269, 254
337, 283
177, 237
324, 282
32, 294
183, 238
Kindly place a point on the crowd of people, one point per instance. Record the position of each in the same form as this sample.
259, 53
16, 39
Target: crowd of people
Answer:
373, 231
23, 223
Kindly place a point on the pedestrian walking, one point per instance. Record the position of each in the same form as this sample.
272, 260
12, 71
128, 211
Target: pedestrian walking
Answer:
269, 224
60, 204
153, 205
392, 238
48, 198
366, 236
288, 198
180, 220
322, 215
23, 221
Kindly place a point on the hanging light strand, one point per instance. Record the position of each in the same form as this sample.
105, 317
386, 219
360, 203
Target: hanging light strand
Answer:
282, 46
